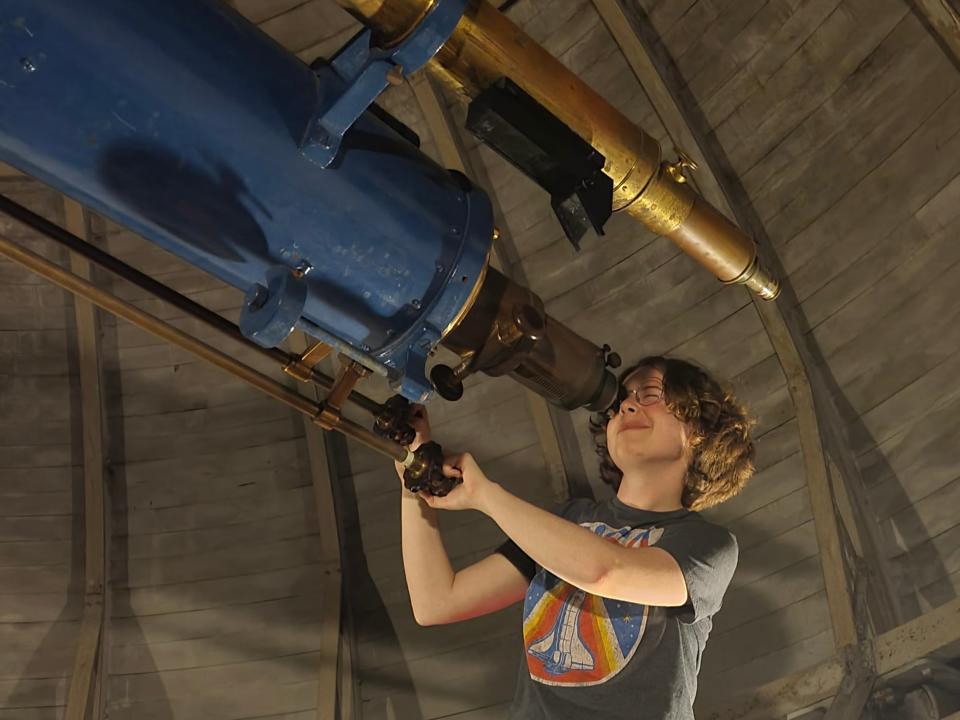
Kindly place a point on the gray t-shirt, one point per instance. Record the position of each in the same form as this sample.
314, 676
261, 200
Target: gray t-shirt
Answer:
589, 656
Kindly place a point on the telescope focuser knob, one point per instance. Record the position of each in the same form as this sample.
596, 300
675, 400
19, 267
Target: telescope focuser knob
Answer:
393, 421
426, 472
610, 358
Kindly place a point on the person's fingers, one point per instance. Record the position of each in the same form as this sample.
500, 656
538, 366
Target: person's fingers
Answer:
453, 463
434, 501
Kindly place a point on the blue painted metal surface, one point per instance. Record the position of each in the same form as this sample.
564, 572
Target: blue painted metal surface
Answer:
364, 70
182, 121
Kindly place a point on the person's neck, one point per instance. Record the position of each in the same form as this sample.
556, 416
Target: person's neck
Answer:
655, 488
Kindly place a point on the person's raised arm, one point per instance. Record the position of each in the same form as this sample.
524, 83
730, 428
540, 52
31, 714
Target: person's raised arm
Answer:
439, 595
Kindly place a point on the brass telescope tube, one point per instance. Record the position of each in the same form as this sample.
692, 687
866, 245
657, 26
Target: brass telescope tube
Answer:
206, 316
486, 45
78, 286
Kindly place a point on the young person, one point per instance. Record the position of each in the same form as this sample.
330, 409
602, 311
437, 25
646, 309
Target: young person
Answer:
618, 595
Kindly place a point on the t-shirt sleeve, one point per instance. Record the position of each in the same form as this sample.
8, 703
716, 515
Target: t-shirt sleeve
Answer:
520, 560
707, 556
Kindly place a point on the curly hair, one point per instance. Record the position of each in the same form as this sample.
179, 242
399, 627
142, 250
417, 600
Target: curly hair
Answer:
723, 450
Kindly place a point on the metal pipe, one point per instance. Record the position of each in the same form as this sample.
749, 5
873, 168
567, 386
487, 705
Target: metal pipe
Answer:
487, 45
129, 273
144, 320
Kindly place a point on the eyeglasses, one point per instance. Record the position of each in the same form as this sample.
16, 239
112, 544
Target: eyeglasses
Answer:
646, 395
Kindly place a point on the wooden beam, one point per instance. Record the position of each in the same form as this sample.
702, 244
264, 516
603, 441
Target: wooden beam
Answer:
926, 635
783, 695
348, 685
849, 704
7, 172
85, 697
549, 425
933, 634
335, 664
623, 26
943, 20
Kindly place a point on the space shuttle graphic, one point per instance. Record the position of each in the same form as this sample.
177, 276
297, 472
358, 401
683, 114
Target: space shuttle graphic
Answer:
562, 650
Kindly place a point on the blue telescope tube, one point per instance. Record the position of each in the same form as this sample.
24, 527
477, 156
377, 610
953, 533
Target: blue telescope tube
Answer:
185, 123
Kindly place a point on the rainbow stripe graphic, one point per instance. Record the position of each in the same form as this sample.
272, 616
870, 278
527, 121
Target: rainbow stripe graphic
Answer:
574, 638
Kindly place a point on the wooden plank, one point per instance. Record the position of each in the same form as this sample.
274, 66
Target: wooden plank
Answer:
85, 680
248, 644
348, 688
84, 699
779, 697
894, 649
219, 592
806, 79
793, 185
760, 638
8, 172
259, 11
748, 602
849, 704
241, 692
944, 20
307, 24
323, 473
454, 155
919, 637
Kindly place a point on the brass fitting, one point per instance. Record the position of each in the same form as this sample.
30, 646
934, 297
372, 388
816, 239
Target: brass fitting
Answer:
302, 366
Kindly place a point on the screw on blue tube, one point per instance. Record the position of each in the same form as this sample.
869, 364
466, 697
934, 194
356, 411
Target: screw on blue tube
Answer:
271, 312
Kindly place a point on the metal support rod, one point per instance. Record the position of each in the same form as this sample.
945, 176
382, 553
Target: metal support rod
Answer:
157, 289
144, 320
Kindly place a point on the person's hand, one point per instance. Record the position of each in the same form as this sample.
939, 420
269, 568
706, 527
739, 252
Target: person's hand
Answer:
471, 494
420, 422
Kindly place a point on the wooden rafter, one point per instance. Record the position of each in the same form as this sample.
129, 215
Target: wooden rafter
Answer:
335, 686
86, 698
943, 19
